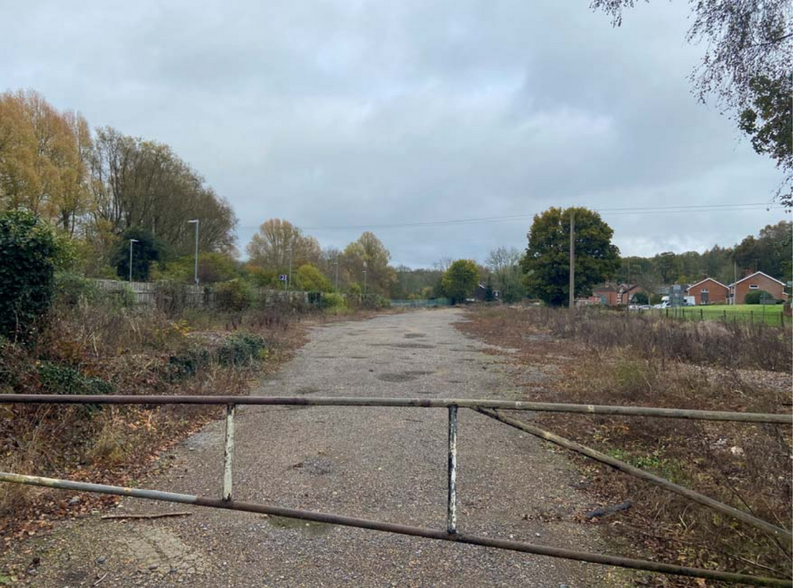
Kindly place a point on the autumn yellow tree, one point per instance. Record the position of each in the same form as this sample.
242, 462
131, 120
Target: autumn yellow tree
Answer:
270, 247
368, 252
43, 158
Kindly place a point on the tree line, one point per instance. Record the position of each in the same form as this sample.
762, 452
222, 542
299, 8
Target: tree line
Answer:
96, 185
769, 252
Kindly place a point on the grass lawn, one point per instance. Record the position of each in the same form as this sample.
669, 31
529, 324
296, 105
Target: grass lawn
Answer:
771, 313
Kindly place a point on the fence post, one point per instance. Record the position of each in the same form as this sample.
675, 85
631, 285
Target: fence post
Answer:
701, 313
724, 316
228, 450
751, 318
452, 471
782, 321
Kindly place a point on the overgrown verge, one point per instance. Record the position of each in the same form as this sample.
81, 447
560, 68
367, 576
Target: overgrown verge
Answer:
630, 361
96, 344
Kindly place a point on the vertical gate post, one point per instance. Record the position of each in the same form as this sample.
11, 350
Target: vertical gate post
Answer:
228, 450
452, 471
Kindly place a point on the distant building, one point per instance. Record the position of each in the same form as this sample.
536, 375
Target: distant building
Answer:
616, 294
480, 293
709, 291
607, 294
757, 281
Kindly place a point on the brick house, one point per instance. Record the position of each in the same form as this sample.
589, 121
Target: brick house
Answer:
616, 294
607, 294
757, 281
709, 291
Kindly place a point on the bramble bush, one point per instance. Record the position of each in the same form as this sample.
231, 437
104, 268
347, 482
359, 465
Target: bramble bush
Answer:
234, 295
28, 258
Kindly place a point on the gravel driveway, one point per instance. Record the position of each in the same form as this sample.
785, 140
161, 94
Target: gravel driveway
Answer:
380, 463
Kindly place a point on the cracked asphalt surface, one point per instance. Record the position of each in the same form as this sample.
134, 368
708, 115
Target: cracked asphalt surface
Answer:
387, 464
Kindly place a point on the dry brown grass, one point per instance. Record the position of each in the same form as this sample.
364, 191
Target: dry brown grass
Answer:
132, 350
747, 466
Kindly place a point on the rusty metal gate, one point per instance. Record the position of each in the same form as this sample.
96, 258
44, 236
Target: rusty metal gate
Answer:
490, 408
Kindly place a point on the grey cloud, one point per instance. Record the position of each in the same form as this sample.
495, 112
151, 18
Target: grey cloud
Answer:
356, 113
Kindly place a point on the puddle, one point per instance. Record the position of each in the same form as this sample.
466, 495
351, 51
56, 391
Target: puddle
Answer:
415, 335
308, 527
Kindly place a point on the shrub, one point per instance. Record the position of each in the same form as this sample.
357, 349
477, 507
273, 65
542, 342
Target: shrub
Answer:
756, 296
233, 296
332, 300
61, 379
241, 349
72, 289
188, 362
28, 256
311, 279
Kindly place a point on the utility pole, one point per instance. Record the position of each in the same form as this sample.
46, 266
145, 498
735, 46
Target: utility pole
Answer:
195, 269
131, 242
571, 267
336, 280
733, 298
365, 278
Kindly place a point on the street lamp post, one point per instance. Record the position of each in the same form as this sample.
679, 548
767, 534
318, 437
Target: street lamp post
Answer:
289, 275
195, 269
131, 242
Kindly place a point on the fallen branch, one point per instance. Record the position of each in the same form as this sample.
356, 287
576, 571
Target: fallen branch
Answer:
160, 515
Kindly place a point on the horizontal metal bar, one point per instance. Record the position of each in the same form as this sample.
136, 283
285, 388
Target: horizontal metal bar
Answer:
590, 409
637, 472
611, 560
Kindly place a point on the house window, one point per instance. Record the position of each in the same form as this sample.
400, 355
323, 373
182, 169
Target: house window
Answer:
704, 290
753, 286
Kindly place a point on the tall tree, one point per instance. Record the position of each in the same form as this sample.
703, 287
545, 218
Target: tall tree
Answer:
505, 265
43, 159
546, 262
139, 183
270, 248
460, 280
146, 250
747, 67
369, 252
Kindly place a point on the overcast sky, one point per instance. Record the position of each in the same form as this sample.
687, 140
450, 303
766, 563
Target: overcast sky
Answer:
352, 113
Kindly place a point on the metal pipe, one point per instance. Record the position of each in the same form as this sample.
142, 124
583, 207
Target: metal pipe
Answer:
228, 451
628, 469
452, 471
611, 560
590, 409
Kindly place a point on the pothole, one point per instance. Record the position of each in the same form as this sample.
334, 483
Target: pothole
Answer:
406, 345
415, 335
315, 466
308, 527
303, 390
404, 377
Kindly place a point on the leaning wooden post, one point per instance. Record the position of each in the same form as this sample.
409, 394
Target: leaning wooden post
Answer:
228, 450
452, 471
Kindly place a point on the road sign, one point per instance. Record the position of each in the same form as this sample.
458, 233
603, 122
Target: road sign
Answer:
282, 277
